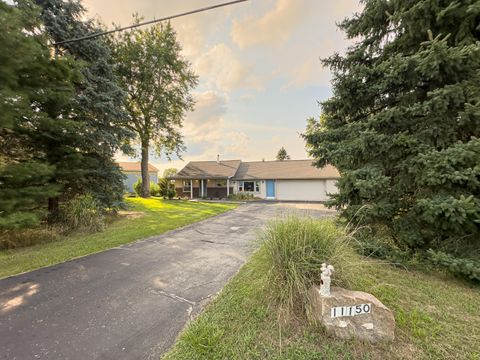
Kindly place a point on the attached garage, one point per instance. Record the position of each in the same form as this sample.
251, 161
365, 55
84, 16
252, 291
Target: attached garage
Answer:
304, 190
288, 180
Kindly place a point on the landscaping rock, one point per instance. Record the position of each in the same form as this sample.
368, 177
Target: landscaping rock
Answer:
350, 314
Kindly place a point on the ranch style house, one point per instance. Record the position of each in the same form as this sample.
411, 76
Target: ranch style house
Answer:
287, 180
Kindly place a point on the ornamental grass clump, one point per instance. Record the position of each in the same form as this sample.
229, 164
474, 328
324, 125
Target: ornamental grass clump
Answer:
293, 251
83, 213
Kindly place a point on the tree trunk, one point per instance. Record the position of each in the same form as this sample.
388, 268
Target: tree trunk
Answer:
145, 177
53, 209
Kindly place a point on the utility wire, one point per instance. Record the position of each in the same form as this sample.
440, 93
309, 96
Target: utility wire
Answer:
101, 33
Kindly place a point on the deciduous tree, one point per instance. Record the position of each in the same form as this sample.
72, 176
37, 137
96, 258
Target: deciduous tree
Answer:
169, 172
158, 82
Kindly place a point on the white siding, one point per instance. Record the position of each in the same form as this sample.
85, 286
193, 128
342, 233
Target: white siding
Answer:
296, 190
304, 190
133, 176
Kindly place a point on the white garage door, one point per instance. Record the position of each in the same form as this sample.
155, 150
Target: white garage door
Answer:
304, 190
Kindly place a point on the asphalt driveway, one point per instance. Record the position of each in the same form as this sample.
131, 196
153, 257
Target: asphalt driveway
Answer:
132, 301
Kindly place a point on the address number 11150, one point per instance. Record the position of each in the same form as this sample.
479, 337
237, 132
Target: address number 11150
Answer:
350, 310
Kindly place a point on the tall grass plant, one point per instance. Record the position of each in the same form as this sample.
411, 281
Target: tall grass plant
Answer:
293, 250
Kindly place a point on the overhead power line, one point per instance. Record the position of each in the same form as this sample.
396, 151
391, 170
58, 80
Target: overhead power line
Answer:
101, 33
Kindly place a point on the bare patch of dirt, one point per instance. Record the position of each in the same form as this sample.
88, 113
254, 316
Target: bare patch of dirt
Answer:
130, 214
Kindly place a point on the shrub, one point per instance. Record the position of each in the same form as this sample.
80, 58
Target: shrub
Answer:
463, 267
83, 213
164, 185
377, 242
171, 193
154, 189
137, 187
167, 189
241, 197
294, 249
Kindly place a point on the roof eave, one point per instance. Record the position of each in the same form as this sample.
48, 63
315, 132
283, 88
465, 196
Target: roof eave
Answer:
198, 177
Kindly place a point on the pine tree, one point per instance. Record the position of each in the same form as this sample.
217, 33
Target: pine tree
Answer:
158, 82
33, 86
282, 154
403, 124
98, 105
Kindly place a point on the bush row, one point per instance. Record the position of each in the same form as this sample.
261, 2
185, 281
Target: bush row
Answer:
378, 243
81, 213
164, 188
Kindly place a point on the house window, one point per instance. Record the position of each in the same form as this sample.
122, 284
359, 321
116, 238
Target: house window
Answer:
187, 185
221, 183
251, 186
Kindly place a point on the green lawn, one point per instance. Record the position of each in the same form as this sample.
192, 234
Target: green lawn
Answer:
437, 317
153, 216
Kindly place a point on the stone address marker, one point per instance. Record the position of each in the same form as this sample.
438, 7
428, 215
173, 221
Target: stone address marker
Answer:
350, 314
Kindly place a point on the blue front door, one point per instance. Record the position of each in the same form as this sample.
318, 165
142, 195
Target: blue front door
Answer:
271, 188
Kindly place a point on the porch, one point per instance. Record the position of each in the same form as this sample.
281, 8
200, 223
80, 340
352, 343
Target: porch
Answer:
204, 188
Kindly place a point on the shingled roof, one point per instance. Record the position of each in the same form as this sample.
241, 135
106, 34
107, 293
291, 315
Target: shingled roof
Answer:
208, 170
238, 170
286, 169
135, 166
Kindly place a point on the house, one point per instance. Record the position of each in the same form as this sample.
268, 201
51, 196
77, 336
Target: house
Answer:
288, 180
133, 173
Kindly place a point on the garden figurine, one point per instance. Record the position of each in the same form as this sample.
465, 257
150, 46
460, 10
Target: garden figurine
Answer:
327, 271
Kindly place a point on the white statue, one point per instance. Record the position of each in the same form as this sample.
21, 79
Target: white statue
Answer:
327, 271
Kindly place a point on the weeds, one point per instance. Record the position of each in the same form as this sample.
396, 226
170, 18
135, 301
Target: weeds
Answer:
12, 239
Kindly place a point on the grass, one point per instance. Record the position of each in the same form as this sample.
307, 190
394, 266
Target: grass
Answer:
437, 317
295, 249
150, 217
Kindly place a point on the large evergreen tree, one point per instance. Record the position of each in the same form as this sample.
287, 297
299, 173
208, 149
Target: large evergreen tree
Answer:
98, 105
34, 90
403, 124
158, 82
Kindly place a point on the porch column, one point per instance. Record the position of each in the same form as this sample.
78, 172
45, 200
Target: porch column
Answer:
201, 189
228, 187
191, 189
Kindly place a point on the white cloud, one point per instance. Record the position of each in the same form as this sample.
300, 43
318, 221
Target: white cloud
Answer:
192, 30
220, 68
247, 141
208, 134
205, 122
274, 27
239, 144
310, 72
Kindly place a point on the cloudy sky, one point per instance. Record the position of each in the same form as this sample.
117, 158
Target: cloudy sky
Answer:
258, 66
